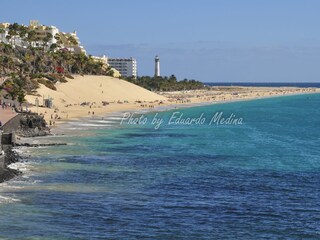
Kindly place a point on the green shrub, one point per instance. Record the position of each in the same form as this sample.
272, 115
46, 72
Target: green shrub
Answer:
69, 76
47, 83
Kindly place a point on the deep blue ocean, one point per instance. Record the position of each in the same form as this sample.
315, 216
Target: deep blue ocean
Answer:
255, 180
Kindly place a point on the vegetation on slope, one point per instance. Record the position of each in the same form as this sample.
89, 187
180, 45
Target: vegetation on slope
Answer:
23, 68
48, 67
166, 83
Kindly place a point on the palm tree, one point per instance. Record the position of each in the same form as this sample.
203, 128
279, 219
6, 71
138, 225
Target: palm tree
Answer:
72, 41
31, 37
59, 41
2, 30
14, 31
23, 31
46, 39
6, 48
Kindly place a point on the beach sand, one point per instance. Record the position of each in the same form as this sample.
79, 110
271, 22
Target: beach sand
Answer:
225, 94
83, 96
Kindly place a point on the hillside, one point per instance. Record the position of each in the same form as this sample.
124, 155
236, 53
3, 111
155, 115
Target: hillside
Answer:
95, 89
84, 94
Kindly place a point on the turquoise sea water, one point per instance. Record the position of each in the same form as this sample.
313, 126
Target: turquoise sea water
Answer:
258, 180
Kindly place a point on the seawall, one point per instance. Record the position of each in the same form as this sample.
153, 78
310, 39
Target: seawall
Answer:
25, 125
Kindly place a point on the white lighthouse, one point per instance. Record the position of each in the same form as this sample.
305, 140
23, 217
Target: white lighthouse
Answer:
157, 67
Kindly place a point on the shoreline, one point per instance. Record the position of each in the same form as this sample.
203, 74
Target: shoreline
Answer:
169, 108
60, 130
87, 96
134, 108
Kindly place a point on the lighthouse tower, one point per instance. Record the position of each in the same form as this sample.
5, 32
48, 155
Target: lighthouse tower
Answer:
157, 67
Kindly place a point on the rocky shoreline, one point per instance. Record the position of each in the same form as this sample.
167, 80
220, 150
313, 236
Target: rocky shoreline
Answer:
6, 173
25, 125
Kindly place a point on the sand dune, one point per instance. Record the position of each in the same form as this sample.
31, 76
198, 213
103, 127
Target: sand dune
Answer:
95, 89
68, 97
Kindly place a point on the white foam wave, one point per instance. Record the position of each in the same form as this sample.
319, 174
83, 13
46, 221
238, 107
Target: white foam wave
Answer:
5, 200
101, 121
21, 166
114, 118
96, 125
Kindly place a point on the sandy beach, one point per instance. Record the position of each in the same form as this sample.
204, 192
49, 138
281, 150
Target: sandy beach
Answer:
92, 96
225, 94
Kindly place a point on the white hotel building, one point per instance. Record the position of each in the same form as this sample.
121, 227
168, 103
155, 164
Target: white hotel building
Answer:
126, 66
41, 32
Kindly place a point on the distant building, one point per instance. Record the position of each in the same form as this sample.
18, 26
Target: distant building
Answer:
104, 61
157, 67
42, 32
71, 42
44, 36
126, 66
4, 32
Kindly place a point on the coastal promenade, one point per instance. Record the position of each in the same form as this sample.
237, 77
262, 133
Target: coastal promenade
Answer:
6, 115
5, 174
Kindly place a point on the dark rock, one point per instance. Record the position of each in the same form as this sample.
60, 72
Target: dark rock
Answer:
39, 145
10, 157
7, 174
32, 125
27, 125
24, 125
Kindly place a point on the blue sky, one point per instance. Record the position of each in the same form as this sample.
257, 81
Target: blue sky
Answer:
207, 40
